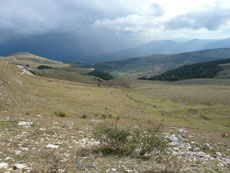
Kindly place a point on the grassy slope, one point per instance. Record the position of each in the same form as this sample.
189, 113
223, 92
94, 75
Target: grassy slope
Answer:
140, 103
60, 70
226, 73
32, 60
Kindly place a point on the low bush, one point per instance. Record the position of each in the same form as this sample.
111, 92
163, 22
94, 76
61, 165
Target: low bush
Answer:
84, 116
104, 116
60, 114
128, 141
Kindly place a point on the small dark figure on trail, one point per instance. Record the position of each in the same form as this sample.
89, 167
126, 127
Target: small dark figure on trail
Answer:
98, 84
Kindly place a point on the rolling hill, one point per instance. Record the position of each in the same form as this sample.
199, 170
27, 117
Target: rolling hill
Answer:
53, 69
157, 64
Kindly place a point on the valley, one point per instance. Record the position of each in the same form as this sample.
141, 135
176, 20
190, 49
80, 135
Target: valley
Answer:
58, 119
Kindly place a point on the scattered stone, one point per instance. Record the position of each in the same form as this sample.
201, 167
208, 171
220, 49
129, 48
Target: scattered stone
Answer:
175, 138
163, 113
96, 121
182, 131
52, 146
196, 149
18, 152
25, 123
39, 116
19, 166
207, 145
185, 146
218, 154
4, 165
24, 70
192, 111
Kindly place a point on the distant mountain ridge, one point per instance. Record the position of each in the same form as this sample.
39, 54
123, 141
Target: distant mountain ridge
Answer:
90, 53
166, 47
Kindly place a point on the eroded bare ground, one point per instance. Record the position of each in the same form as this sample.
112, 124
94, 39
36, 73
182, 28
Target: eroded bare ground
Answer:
35, 143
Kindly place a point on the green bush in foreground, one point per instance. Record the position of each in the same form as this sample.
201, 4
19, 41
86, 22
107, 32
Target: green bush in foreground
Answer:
128, 141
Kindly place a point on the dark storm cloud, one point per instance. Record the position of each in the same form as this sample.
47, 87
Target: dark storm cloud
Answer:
26, 17
211, 19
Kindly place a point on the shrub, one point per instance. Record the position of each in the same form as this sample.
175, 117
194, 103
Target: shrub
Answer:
84, 116
60, 114
104, 116
128, 141
110, 115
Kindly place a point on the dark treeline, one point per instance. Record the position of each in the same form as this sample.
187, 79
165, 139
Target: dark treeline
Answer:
199, 70
101, 74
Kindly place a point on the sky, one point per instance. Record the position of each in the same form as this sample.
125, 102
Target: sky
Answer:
113, 24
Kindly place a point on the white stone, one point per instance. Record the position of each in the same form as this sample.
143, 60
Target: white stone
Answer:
39, 116
185, 146
18, 152
175, 138
20, 166
196, 149
4, 165
25, 123
24, 70
182, 131
218, 154
51, 146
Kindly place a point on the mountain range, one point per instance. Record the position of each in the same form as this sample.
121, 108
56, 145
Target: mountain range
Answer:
90, 53
165, 47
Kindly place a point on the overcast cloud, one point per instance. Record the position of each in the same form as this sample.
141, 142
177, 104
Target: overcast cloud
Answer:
120, 21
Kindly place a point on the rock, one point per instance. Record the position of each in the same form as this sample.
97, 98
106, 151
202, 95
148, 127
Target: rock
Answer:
96, 121
201, 154
207, 145
51, 146
163, 113
192, 111
4, 165
25, 123
196, 149
19, 166
185, 146
39, 116
18, 152
175, 138
182, 131
24, 70
218, 154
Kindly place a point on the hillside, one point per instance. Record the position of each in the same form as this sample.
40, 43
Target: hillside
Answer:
53, 69
157, 64
200, 70
33, 61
